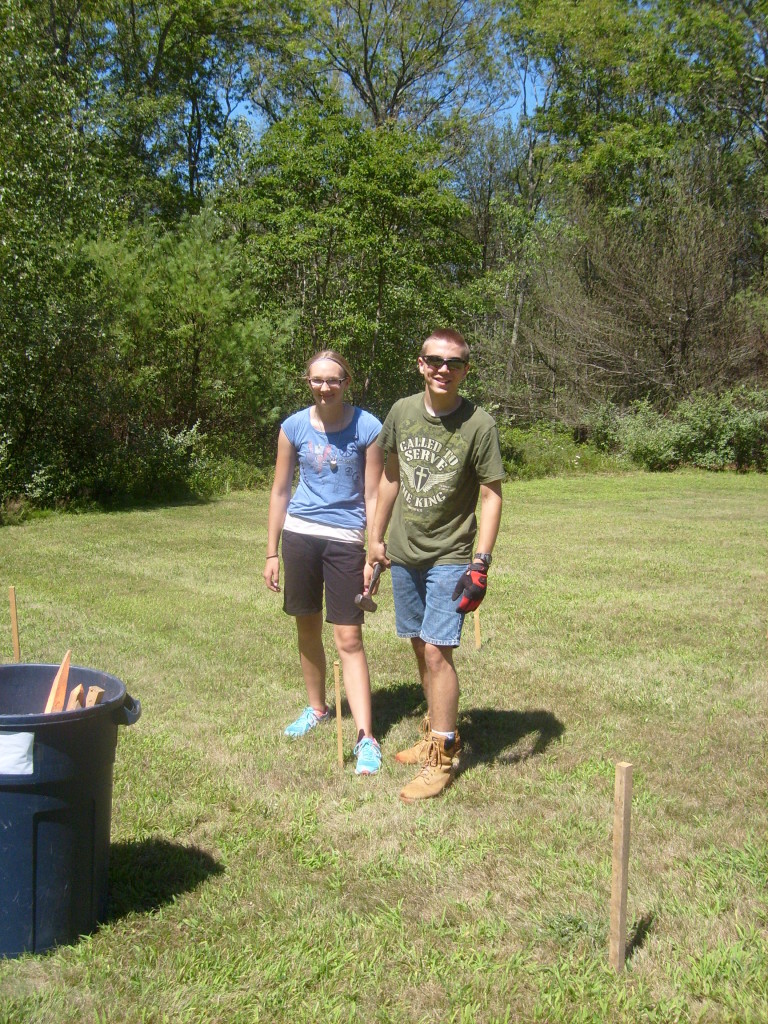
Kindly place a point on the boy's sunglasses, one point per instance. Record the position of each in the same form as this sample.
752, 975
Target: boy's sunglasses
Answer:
437, 362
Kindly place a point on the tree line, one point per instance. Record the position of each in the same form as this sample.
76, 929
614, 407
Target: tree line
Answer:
195, 195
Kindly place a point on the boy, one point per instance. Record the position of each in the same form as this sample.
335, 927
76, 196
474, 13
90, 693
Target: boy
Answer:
442, 452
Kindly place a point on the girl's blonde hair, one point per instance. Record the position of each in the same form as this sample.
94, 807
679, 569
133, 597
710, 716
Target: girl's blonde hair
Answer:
336, 357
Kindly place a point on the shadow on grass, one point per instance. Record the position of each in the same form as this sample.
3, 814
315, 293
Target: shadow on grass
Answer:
145, 876
182, 500
393, 703
487, 732
642, 928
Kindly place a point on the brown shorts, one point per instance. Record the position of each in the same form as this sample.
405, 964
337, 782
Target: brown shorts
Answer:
311, 563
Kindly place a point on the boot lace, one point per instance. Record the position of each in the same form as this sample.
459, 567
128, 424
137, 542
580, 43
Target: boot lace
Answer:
432, 758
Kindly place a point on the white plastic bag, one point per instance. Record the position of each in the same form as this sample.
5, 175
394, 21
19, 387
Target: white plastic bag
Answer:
17, 753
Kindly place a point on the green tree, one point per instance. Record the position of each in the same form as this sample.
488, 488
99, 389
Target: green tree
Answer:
648, 116
606, 106
189, 351
162, 80
356, 231
169, 75
416, 60
722, 47
507, 176
50, 194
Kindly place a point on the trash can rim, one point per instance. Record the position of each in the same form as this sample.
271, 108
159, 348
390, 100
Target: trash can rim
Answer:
77, 673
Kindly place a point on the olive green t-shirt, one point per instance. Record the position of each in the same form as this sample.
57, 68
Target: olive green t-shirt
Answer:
443, 461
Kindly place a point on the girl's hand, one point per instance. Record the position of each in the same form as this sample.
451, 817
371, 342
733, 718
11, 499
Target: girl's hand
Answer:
272, 573
367, 573
371, 576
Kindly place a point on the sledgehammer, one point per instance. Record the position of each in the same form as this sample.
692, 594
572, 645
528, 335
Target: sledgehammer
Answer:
363, 600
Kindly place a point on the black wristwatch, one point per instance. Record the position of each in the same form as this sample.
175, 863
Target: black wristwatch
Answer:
481, 556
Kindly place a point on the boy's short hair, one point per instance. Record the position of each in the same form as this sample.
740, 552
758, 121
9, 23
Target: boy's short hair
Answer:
446, 334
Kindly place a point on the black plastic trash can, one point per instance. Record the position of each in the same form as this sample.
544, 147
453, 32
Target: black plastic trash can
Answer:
55, 806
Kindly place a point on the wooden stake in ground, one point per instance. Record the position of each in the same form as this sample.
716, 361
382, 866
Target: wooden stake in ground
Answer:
59, 687
14, 624
478, 641
339, 741
622, 808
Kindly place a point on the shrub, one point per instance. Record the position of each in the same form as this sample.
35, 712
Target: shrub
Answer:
705, 430
750, 430
649, 439
546, 449
603, 427
211, 475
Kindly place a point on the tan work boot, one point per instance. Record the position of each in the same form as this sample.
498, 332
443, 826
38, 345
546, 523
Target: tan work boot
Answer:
437, 771
418, 752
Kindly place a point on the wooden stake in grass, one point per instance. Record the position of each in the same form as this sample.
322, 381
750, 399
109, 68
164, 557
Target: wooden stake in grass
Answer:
14, 624
622, 807
59, 687
339, 741
478, 641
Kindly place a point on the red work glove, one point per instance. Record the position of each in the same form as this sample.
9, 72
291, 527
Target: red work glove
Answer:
471, 587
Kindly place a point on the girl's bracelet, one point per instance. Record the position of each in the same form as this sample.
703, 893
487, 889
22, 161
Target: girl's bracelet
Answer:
272, 556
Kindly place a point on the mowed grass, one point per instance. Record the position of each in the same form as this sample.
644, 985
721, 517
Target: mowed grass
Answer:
255, 881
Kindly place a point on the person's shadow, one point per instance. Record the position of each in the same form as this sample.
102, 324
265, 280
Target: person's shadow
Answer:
393, 703
485, 732
143, 876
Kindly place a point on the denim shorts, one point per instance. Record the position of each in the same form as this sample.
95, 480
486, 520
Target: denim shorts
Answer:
424, 606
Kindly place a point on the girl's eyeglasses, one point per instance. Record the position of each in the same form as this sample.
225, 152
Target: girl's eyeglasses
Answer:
332, 382
437, 362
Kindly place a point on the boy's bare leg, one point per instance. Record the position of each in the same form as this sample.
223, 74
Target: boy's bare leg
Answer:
441, 758
443, 693
416, 753
418, 649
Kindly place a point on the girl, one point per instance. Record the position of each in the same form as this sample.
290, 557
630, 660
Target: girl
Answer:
323, 535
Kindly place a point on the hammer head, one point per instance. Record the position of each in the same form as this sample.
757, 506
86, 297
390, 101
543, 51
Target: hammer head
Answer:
363, 600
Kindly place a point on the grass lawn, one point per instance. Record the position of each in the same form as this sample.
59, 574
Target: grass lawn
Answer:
255, 881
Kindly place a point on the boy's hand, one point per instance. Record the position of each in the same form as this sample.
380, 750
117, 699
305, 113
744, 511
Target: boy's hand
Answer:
377, 552
472, 587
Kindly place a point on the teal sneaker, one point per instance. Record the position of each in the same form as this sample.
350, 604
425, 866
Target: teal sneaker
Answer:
368, 756
306, 721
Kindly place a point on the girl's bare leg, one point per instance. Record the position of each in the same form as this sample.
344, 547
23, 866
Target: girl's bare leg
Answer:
312, 656
357, 682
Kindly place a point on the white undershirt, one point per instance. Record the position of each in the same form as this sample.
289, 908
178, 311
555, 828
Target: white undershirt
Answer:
343, 534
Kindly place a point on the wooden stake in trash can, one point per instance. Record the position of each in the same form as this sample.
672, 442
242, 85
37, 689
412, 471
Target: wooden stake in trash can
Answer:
76, 698
93, 697
339, 741
622, 807
59, 687
14, 624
